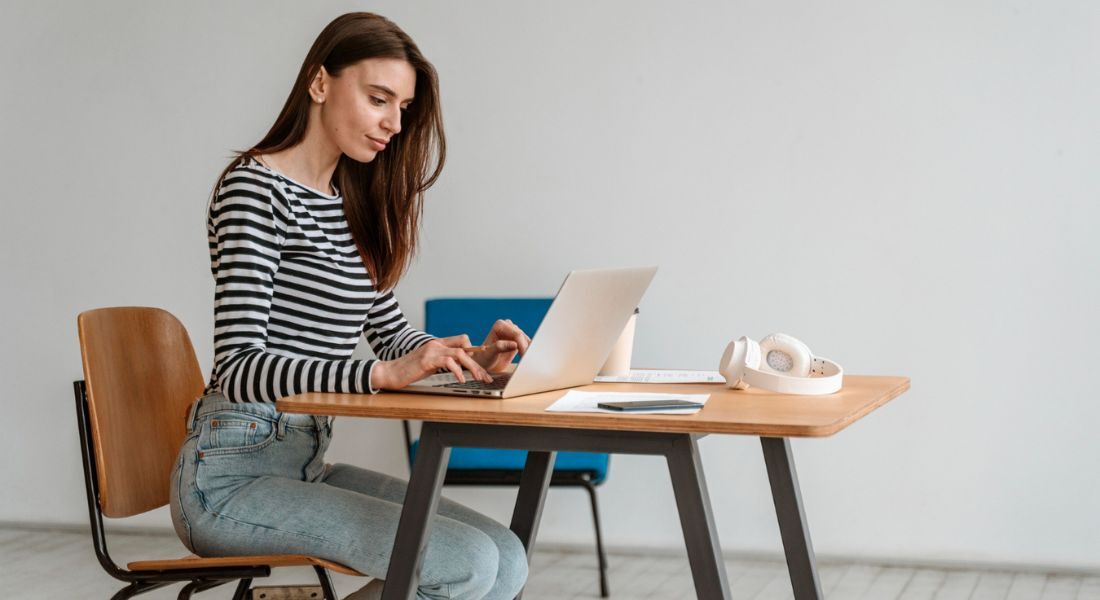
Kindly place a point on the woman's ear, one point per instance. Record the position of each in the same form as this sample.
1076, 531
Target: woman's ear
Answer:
319, 86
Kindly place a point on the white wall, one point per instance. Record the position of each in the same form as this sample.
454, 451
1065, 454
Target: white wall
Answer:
909, 187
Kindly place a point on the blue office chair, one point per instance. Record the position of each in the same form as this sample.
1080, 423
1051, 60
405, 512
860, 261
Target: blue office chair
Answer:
484, 466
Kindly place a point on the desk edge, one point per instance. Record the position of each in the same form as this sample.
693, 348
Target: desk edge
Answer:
533, 420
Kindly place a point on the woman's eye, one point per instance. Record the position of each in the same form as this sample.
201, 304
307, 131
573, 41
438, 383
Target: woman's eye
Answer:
375, 100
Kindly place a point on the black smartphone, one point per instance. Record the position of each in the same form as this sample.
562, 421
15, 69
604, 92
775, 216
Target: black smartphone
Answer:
648, 404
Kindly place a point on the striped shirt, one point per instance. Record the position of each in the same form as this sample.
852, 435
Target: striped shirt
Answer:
291, 294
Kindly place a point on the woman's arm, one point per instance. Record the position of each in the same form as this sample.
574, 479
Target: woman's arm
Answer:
247, 224
388, 332
407, 354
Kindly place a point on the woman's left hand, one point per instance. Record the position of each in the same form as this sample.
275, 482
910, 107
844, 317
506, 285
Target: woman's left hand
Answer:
505, 339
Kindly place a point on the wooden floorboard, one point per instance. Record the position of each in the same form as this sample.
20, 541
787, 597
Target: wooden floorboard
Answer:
32, 559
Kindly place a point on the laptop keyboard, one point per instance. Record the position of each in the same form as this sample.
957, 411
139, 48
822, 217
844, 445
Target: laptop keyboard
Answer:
499, 381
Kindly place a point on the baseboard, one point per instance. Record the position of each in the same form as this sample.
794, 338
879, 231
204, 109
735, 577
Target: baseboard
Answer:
1084, 570
112, 528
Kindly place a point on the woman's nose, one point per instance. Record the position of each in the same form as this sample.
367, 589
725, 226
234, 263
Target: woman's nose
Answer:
392, 121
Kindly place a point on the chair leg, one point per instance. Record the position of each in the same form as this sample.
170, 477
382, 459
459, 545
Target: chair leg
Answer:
138, 587
198, 585
128, 591
588, 485
242, 589
326, 583
186, 590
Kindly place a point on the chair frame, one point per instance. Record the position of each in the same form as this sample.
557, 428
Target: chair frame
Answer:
199, 579
510, 477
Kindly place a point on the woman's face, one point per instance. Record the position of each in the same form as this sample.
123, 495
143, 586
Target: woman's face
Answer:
361, 109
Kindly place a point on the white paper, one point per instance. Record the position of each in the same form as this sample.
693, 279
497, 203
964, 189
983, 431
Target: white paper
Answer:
574, 401
663, 376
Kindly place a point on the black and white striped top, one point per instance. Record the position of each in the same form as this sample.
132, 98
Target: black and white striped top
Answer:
291, 295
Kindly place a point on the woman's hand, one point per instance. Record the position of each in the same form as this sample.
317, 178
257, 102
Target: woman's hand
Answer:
505, 339
443, 353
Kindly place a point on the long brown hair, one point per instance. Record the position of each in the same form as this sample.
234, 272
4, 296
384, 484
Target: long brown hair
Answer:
383, 199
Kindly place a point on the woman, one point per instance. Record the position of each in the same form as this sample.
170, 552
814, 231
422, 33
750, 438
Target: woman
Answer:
309, 232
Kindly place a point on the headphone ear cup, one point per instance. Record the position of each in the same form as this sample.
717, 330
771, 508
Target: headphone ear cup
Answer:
785, 355
735, 359
727, 367
752, 353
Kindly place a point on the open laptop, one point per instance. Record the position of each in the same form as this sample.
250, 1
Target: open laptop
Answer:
576, 335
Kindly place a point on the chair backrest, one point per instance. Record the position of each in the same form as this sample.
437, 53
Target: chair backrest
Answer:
444, 317
141, 376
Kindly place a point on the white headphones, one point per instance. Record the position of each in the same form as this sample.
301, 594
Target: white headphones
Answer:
788, 367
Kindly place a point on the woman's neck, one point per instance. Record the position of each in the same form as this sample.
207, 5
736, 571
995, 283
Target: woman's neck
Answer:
311, 162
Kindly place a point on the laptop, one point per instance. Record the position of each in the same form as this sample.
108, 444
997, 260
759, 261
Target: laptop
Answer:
572, 342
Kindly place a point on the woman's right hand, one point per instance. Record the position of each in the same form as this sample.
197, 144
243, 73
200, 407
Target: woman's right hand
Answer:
441, 353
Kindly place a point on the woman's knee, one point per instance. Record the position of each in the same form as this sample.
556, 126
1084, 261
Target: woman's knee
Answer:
512, 566
468, 565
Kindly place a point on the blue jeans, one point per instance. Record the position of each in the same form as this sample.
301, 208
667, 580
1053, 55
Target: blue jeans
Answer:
250, 480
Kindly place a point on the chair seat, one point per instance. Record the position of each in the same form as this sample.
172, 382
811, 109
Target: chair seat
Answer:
273, 560
464, 459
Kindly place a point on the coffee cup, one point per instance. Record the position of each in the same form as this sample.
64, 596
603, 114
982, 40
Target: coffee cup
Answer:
618, 362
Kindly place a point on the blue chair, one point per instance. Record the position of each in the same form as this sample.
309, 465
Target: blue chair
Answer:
485, 466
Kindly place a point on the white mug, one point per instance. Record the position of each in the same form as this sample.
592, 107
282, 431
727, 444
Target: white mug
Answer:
618, 362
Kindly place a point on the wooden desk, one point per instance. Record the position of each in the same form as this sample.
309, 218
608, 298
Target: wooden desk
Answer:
523, 423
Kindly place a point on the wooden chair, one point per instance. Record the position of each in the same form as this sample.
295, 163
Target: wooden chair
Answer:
140, 378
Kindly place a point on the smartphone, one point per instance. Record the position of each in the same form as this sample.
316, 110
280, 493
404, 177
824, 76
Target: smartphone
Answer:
648, 404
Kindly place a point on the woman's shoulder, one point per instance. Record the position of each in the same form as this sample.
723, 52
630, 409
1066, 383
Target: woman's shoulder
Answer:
249, 179
249, 186
247, 171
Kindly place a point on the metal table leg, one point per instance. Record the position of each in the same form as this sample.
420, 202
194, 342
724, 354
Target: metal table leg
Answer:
792, 519
708, 570
531, 497
421, 499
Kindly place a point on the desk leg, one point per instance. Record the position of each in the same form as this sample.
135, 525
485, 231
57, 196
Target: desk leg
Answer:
708, 570
421, 499
792, 520
529, 501
531, 497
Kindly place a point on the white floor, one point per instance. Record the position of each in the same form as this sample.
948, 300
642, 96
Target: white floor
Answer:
53, 565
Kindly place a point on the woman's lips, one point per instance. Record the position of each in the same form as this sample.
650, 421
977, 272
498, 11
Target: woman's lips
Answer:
377, 144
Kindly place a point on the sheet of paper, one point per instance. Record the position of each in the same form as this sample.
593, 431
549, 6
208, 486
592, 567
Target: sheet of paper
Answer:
574, 401
664, 376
